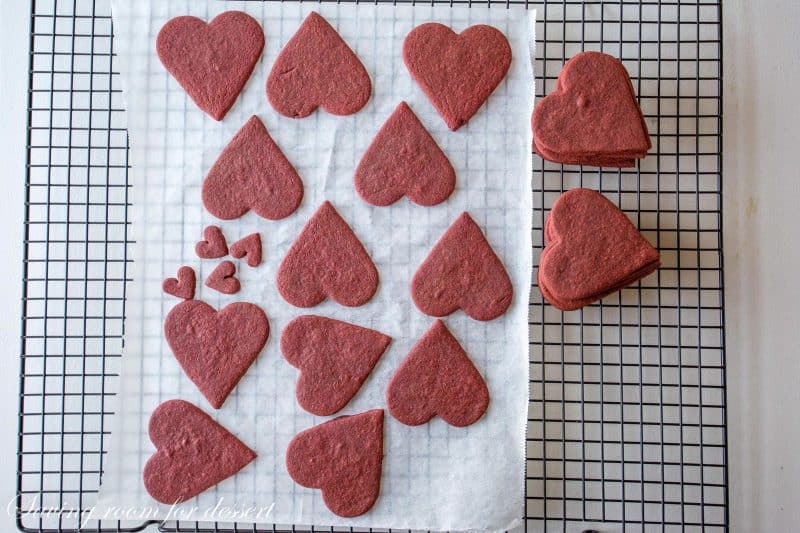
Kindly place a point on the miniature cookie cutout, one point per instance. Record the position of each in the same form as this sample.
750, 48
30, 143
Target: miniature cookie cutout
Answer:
334, 359
249, 247
213, 245
193, 453
183, 286
215, 348
223, 279
343, 457
327, 259
592, 116
404, 159
213, 61
458, 72
591, 250
317, 68
252, 173
437, 377
462, 271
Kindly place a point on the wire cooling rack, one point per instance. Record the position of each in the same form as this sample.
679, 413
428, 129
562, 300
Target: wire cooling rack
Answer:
627, 425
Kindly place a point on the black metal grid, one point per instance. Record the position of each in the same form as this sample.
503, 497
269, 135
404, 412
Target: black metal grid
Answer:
627, 411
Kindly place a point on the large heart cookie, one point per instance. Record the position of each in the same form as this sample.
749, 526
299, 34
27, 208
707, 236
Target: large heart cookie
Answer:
214, 348
462, 271
592, 250
252, 173
458, 72
316, 68
334, 359
343, 458
437, 377
327, 259
404, 159
193, 453
213, 61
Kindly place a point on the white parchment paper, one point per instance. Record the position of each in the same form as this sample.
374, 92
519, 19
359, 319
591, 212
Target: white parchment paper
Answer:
434, 476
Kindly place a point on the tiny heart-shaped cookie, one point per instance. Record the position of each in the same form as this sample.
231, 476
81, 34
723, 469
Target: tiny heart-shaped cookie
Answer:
334, 359
462, 271
193, 453
213, 245
215, 349
252, 173
327, 259
458, 72
437, 377
592, 250
404, 159
249, 247
343, 457
316, 68
213, 61
183, 286
223, 279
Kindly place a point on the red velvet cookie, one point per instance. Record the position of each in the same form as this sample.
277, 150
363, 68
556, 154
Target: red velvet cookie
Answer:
213, 245
183, 286
249, 247
223, 279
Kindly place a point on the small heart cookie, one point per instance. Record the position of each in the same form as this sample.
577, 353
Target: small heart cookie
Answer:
183, 286
223, 279
249, 247
213, 245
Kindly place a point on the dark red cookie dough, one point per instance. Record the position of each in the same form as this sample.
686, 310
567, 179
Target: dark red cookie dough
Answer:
343, 457
462, 271
404, 159
215, 348
223, 279
193, 453
249, 247
316, 68
213, 245
183, 286
213, 61
334, 359
458, 72
592, 250
252, 173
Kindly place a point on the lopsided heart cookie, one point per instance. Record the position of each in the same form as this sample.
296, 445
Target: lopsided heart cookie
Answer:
223, 279
458, 72
591, 250
462, 271
343, 457
193, 453
215, 348
213, 245
213, 61
404, 159
327, 259
183, 286
248, 247
316, 68
334, 359
252, 173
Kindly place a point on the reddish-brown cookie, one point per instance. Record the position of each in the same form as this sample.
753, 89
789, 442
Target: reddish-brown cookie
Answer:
193, 453
343, 457
592, 250
462, 271
334, 359
249, 247
183, 286
213, 245
215, 348
316, 68
404, 159
458, 72
252, 173
213, 61
327, 259
437, 377
223, 279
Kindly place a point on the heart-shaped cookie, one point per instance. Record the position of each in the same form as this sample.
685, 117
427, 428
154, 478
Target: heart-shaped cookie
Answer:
223, 279
437, 377
404, 159
462, 271
343, 457
327, 259
334, 359
213, 245
193, 453
215, 349
249, 247
252, 173
183, 286
213, 61
458, 72
316, 68
592, 250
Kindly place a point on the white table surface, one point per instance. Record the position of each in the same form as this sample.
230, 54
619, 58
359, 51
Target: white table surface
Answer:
762, 254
